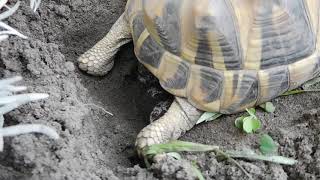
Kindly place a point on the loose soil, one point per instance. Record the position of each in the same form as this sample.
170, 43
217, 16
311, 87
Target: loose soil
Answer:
96, 145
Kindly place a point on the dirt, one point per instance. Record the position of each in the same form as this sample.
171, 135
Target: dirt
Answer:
96, 145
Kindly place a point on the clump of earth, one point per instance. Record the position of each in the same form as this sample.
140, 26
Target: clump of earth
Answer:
96, 145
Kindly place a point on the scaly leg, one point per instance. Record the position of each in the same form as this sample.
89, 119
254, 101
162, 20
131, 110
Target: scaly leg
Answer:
180, 117
98, 60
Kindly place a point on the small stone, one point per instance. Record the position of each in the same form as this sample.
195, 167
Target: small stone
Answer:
70, 66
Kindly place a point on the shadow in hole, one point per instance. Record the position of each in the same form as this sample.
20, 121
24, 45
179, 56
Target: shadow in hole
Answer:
121, 93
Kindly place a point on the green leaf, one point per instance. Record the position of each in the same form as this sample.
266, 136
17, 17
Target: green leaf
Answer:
197, 171
251, 124
208, 116
267, 145
177, 146
292, 92
239, 122
268, 107
250, 156
252, 112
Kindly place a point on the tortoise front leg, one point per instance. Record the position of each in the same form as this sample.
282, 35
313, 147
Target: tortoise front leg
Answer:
99, 59
180, 117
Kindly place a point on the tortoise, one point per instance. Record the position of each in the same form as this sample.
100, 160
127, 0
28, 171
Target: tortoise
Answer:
214, 55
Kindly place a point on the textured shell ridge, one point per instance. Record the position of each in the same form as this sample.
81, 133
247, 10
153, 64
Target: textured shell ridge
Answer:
227, 55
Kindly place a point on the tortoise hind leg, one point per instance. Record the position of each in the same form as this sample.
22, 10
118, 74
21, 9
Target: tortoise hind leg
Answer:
99, 59
180, 117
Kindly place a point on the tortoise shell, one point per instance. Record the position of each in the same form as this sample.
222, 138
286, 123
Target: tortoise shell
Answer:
227, 55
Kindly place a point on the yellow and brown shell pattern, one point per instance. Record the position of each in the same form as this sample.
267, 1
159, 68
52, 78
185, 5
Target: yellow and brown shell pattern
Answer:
227, 55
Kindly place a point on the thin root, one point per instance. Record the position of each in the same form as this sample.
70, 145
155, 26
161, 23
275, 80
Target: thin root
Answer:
99, 107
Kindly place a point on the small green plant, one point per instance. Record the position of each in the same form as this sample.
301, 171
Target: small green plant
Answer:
268, 107
249, 122
9, 100
267, 145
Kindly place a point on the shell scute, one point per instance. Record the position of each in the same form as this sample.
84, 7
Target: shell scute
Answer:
227, 55
273, 82
240, 90
173, 74
282, 33
205, 87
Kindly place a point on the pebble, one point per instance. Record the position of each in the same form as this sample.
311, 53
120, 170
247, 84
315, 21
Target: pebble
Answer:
70, 66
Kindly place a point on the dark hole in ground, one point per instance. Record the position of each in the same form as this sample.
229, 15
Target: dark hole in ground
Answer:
124, 95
